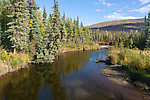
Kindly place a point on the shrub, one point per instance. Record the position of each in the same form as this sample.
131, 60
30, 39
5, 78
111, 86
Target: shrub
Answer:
14, 60
137, 62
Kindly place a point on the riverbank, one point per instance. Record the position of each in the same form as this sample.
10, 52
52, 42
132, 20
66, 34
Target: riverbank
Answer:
12, 62
135, 62
116, 74
133, 68
83, 48
119, 75
18, 61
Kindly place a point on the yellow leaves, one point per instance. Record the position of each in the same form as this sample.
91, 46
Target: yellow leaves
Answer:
30, 25
31, 21
14, 60
142, 64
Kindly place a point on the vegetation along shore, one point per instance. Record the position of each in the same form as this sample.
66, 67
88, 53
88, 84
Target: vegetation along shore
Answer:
35, 37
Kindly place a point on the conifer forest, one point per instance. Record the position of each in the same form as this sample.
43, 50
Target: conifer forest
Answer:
56, 49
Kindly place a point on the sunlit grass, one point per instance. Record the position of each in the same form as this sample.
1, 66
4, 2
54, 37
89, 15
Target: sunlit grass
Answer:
137, 62
9, 60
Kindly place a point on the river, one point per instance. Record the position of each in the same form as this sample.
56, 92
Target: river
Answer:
73, 76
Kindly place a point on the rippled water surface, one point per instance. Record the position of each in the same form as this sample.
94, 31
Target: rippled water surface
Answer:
73, 76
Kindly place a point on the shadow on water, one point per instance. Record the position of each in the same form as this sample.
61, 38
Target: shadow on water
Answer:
73, 76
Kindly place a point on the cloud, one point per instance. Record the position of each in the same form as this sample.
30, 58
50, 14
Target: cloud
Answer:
144, 1
104, 3
144, 9
120, 10
98, 10
118, 16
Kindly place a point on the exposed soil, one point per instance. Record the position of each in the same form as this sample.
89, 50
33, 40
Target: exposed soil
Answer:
118, 75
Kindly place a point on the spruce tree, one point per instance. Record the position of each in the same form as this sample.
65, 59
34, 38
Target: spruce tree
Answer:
18, 27
35, 36
147, 32
42, 27
33, 23
50, 18
64, 18
56, 25
1, 8
4, 19
44, 17
63, 32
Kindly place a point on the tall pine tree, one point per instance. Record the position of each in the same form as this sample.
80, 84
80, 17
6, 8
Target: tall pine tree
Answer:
44, 17
18, 27
33, 23
147, 32
56, 25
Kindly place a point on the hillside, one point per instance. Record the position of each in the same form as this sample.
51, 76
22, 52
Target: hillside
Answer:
120, 25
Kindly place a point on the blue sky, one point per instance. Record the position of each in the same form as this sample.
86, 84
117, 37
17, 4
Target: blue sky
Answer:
96, 11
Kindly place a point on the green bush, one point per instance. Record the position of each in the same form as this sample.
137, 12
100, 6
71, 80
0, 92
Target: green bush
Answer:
135, 61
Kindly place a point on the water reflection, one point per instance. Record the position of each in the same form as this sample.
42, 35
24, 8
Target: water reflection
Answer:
73, 76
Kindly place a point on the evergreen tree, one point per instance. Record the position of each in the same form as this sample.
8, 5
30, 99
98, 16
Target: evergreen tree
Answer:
18, 27
33, 24
63, 32
64, 18
50, 18
4, 19
44, 17
42, 27
56, 25
1, 8
147, 32
35, 36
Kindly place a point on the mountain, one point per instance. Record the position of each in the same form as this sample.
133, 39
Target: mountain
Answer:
120, 25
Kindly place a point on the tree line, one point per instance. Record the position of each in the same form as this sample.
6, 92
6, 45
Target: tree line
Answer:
132, 39
25, 29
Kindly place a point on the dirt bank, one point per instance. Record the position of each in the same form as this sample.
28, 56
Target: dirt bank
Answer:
118, 75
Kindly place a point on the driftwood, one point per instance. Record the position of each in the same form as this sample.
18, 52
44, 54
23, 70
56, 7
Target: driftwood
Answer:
103, 61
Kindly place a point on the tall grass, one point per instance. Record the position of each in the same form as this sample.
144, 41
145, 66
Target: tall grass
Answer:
9, 60
137, 62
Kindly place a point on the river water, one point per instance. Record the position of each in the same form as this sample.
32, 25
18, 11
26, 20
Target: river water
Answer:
73, 76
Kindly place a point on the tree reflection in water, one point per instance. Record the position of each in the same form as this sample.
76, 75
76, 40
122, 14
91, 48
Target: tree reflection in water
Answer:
33, 83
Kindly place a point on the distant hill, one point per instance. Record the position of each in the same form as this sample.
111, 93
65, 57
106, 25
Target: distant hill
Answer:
120, 25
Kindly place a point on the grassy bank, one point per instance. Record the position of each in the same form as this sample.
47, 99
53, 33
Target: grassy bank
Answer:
135, 62
12, 61
75, 47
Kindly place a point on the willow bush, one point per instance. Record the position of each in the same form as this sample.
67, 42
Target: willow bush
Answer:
13, 60
136, 62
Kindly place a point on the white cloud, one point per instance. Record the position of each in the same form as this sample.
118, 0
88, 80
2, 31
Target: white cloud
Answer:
118, 16
120, 10
144, 1
104, 3
98, 10
144, 9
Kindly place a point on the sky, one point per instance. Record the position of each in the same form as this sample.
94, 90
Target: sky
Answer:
96, 11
